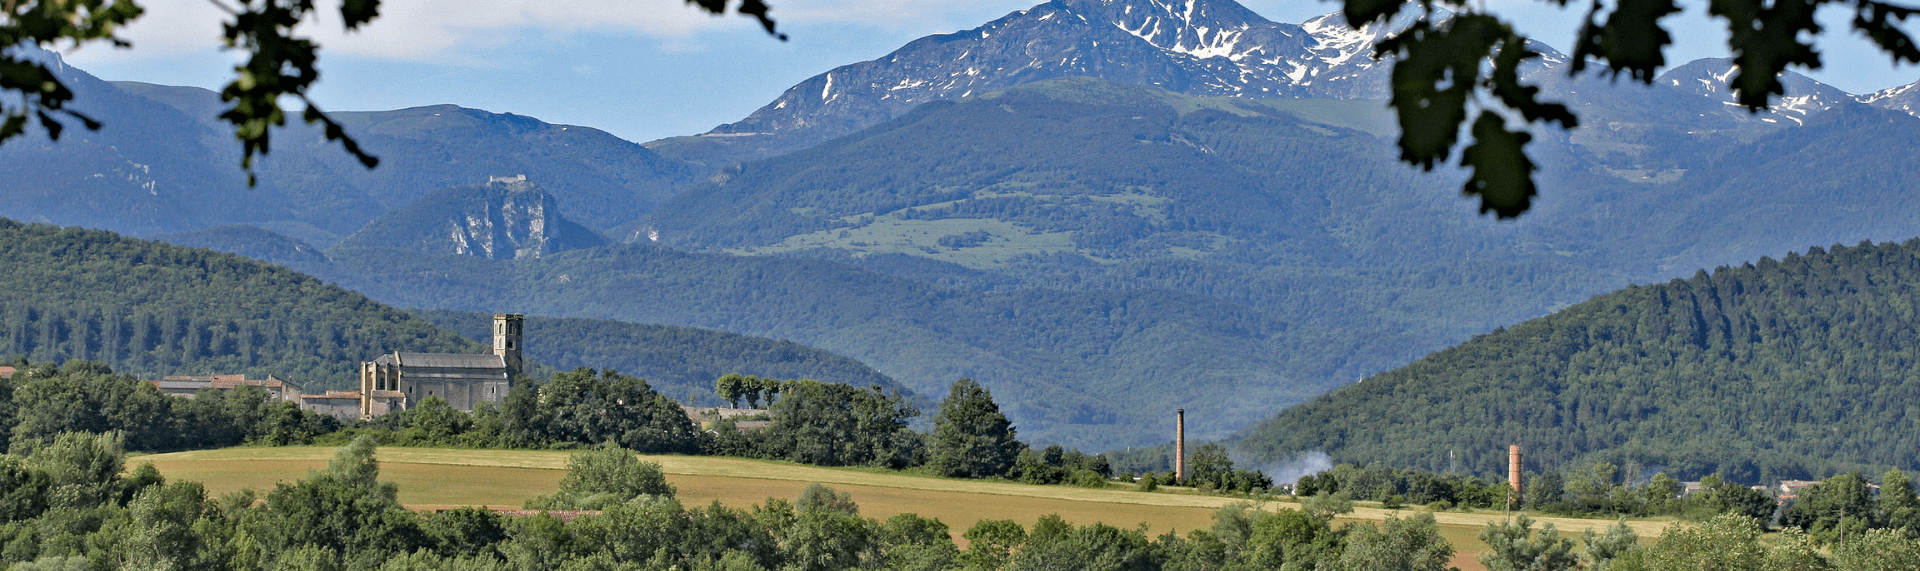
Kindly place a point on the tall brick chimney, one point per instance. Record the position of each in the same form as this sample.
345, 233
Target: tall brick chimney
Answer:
1180, 445
1513, 470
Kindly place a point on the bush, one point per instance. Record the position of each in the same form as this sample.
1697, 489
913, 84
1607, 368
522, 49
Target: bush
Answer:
602, 477
1088, 479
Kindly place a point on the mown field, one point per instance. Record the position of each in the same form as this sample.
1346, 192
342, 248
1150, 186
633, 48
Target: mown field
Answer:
433, 478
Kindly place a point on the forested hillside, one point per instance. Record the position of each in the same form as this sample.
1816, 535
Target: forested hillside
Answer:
151, 309
1790, 368
253, 242
1087, 369
677, 361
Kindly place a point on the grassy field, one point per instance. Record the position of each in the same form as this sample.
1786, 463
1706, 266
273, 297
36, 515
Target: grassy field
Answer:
432, 478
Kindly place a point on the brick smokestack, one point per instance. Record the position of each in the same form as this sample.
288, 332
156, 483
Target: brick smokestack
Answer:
1180, 445
1513, 470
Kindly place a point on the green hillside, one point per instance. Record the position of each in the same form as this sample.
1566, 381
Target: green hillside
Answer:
1092, 369
1795, 368
677, 361
152, 309
257, 243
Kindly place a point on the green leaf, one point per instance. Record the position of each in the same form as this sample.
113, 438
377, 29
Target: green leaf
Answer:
1362, 12
1765, 39
358, 12
1502, 173
1438, 69
1880, 22
1505, 84
757, 9
1631, 40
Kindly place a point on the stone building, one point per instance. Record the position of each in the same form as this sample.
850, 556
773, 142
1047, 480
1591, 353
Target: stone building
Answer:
397, 381
344, 405
186, 386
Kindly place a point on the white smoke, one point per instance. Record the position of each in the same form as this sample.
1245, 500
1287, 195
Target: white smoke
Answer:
1288, 472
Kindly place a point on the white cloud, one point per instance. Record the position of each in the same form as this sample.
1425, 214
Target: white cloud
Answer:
451, 31
169, 28
940, 15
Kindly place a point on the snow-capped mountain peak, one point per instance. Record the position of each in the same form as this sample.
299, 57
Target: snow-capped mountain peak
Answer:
1905, 98
1712, 79
1198, 47
1199, 28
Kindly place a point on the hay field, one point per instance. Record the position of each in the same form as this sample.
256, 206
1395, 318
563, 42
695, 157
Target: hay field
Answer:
434, 477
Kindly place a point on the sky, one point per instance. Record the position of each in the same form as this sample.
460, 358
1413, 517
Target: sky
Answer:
648, 69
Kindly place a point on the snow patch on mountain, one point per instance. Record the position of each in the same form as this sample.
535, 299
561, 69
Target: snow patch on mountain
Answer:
1198, 47
1195, 47
1712, 79
1905, 98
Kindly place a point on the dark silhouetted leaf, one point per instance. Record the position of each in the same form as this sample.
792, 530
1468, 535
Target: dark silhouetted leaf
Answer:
1631, 39
1502, 173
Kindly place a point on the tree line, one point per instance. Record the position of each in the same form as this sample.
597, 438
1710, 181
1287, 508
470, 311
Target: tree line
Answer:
43, 401
1600, 489
824, 424
71, 505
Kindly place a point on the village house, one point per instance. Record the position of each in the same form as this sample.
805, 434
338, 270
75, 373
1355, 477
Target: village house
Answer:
188, 386
705, 416
1790, 489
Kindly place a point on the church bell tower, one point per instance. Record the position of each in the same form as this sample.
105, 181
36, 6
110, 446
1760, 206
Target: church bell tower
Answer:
506, 340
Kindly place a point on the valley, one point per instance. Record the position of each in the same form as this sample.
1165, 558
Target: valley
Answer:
1103, 285
1099, 209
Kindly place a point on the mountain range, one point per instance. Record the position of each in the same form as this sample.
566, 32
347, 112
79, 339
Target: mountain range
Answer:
1095, 207
163, 163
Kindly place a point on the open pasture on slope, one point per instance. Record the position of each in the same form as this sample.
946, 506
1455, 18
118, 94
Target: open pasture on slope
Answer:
435, 477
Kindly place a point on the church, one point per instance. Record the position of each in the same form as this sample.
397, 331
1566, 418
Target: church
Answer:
398, 381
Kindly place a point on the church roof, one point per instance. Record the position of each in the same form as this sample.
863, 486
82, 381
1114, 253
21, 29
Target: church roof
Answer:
443, 361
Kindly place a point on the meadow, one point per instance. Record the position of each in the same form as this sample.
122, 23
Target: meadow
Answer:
435, 478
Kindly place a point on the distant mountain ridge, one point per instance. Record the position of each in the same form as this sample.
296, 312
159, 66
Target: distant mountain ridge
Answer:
163, 163
1192, 47
1196, 47
1905, 98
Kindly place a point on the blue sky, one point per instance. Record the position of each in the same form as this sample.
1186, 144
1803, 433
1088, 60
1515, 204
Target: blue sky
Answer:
646, 69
